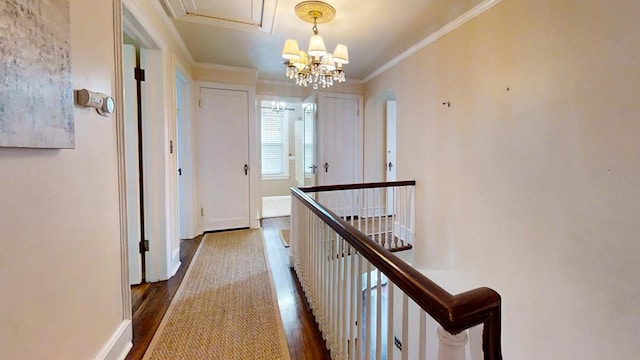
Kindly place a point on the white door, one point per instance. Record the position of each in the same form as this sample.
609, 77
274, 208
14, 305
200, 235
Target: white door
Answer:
132, 188
339, 129
340, 149
391, 150
309, 140
223, 158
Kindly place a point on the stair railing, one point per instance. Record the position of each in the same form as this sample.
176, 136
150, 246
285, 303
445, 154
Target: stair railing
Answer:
382, 211
360, 292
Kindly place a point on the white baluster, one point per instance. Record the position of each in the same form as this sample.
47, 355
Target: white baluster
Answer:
390, 320
412, 214
353, 304
379, 315
452, 347
323, 291
358, 297
367, 319
422, 345
394, 217
405, 326
338, 296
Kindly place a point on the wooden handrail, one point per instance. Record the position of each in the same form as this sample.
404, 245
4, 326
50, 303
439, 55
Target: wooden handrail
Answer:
455, 313
325, 188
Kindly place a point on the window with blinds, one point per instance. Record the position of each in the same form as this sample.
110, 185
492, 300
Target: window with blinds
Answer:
275, 152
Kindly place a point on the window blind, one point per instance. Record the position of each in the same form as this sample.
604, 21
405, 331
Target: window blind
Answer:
274, 142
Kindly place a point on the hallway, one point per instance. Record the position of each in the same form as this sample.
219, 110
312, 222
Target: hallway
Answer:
150, 301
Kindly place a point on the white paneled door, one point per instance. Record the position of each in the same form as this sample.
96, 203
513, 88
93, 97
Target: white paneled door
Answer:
223, 158
339, 147
339, 139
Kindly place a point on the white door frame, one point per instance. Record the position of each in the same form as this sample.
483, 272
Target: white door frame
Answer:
185, 139
391, 149
126, 329
255, 170
132, 165
162, 261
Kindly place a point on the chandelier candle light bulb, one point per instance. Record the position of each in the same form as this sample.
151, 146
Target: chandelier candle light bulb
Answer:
316, 66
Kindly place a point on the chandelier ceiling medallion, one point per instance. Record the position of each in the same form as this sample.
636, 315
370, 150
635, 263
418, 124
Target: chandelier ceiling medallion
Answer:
316, 66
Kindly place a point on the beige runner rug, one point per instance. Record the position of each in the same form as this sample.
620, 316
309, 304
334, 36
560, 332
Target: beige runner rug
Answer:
226, 306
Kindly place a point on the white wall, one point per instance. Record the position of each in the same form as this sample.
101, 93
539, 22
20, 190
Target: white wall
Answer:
534, 190
60, 266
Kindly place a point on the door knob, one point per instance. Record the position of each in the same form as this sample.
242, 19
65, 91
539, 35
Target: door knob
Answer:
390, 165
246, 169
326, 167
313, 169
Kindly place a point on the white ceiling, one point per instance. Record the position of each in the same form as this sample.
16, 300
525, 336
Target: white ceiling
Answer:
250, 33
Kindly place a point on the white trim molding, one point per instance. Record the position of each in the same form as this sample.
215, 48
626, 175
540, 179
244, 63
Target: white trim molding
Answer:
173, 31
150, 36
262, 15
237, 69
119, 344
477, 10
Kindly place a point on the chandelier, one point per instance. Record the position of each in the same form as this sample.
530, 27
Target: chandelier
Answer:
316, 66
278, 106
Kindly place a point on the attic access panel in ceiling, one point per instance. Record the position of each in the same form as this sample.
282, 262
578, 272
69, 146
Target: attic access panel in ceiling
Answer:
251, 15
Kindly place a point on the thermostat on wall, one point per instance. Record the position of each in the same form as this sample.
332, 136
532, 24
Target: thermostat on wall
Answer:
103, 103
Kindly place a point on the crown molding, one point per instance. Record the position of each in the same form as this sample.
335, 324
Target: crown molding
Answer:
136, 23
477, 10
173, 31
277, 82
226, 68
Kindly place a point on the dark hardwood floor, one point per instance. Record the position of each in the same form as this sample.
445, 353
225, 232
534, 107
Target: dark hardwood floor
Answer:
150, 301
303, 337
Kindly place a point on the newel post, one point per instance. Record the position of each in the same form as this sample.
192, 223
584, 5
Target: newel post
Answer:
451, 347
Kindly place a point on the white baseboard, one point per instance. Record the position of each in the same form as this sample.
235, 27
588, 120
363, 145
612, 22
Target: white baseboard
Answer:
175, 269
119, 344
279, 197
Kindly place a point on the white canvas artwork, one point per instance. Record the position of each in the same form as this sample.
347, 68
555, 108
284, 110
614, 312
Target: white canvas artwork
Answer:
36, 95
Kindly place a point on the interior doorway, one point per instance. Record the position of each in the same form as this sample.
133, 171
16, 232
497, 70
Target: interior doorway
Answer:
133, 163
282, 153
151, 146
390, 150
185, 158
156, 189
